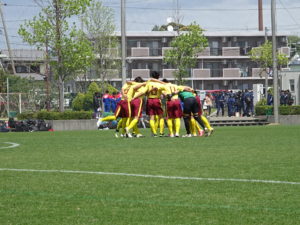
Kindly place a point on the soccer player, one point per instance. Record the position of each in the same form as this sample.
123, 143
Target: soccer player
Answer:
121, 110
173, 108
190, 108
135, 98
154, 105
207, 129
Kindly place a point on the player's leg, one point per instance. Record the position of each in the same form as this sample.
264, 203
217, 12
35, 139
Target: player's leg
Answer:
177, 126
170, 126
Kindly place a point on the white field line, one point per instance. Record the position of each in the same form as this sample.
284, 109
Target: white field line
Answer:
12, 145
153, 176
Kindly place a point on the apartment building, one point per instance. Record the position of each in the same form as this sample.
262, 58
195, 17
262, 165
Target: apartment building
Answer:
29, 63
224, 64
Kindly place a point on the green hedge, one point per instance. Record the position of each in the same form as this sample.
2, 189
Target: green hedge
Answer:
67, 115
283, 110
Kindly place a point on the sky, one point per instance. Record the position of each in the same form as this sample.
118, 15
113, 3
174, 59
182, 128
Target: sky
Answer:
142, 15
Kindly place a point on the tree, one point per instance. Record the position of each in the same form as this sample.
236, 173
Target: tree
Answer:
263, 57
70, 51
85, 101
184, 51
294, 43
99, 24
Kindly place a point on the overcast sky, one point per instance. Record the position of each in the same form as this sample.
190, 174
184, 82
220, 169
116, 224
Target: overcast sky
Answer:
142, 15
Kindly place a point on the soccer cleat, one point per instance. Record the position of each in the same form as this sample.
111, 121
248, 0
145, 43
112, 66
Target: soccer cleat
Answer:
139, 135
128, 134
177, 135
155, 135
209, 132
194, 135
171, 135
116, 134
161, 135
187, 135
201, 133
99, 122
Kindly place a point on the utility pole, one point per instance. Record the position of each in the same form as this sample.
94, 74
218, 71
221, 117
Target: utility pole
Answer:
7, 40
123, 41
274, 55
57, 5
260, 16
267, 72
47, 78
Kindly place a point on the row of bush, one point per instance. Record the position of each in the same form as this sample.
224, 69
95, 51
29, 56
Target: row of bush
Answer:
67, 115
283, 110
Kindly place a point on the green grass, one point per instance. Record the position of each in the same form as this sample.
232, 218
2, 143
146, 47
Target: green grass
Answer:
262, 153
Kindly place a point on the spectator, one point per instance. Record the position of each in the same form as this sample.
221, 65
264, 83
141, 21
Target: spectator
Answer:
289, 98
207, 105
96, 104
107, 101
220, 103
231, 104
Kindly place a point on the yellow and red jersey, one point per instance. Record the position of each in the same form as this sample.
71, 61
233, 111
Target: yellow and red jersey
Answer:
155, 89
126, 88
173, 88
136, 90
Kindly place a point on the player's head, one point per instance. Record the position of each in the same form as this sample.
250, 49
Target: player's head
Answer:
165, 80
155, 75
139, 80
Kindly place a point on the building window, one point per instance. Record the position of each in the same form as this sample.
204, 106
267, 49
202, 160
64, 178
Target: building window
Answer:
69, 88
21, 69
34, 69
292, 85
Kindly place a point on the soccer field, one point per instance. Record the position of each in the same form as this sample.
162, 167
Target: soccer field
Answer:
239, 175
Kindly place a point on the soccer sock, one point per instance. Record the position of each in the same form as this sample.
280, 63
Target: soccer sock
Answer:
128, 122
136, 129
170, 126
193, 126
199, 121
177, 125
108, 118
198, 128
152, 126
161, 125
206, 123
124, 121
156, 119
132, 124
119, 125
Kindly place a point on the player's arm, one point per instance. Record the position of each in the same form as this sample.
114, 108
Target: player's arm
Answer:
138, 86
155, 80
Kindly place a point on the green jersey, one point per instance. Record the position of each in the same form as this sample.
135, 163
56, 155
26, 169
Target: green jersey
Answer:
185, 94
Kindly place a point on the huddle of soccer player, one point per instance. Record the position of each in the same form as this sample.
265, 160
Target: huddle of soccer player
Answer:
181, 101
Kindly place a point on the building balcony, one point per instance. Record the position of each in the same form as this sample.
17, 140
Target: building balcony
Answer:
231, 72
144, 73
169, 73
201, 73
140, 52
257, 72
231, 51
286, 51
205, 52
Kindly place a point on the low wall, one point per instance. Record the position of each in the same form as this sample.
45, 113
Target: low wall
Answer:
286, 120
59, 125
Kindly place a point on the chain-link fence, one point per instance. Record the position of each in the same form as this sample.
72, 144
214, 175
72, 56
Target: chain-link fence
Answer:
14, 103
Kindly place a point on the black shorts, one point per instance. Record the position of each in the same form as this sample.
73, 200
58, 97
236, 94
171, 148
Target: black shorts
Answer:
190, 105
